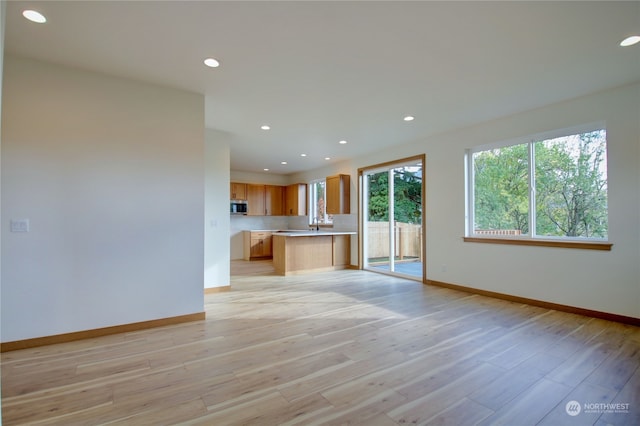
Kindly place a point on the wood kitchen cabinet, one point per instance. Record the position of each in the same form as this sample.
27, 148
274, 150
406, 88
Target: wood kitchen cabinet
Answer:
257, 245
255, 200
311, 252
341, 250
338, 198
274, 200
296, 200
238, 191
265, 200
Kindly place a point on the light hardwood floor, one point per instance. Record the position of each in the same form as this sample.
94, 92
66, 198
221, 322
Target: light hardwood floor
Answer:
344, 347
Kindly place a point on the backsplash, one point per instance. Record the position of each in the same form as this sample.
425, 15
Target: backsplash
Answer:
345, 222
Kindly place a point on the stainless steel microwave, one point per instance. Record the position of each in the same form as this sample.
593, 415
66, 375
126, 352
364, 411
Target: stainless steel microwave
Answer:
238, 207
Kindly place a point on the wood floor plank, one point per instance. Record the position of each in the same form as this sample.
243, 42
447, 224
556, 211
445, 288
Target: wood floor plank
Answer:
362, 411
169, 414
531, 406
423, 408
463, 412
253, 411
629, 396
342, 347
506, 388
615, 371
585, 393
574, 370
339, 375
57, 406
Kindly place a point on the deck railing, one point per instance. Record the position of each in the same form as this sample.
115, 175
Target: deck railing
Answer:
497, 232
407, 240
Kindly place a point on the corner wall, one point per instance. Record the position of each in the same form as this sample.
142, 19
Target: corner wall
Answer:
217, 222
110, 174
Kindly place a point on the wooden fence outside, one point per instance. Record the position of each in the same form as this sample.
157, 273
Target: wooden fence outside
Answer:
497, 232
408, 240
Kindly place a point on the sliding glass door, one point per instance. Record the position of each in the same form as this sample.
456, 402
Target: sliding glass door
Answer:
391, 218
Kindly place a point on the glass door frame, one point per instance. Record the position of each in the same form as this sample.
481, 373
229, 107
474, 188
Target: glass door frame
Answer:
363, 211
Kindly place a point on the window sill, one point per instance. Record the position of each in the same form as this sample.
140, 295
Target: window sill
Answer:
585, 245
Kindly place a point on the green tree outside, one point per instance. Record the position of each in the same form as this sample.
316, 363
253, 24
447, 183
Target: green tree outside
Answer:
570, 187
407, 197
502, 188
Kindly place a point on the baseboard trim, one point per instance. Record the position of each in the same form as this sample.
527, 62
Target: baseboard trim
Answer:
211, 290
97, 332
540, 303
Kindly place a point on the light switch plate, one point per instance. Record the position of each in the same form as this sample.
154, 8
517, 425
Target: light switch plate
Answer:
19, 225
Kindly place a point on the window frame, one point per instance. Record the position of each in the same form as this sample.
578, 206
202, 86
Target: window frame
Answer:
531, 238
328, 219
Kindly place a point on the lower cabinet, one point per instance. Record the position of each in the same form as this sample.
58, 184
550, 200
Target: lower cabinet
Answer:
257, 245
341, 250
314, 253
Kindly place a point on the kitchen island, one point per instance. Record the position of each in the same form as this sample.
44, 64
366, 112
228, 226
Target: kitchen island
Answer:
297, 252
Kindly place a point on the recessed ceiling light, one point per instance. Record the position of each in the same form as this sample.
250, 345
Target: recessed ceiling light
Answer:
303, 155
409, 118
211, 62
266, 170
630, 41
34, 16
327, 158
342, 142
265, 127
283, 162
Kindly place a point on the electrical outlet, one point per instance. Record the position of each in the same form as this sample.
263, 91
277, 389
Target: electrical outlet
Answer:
19, 225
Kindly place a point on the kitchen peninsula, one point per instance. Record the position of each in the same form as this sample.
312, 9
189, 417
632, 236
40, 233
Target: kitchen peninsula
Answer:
296, 252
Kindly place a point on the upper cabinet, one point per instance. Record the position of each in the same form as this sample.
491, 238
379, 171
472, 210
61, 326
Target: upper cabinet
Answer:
265, 200
338, 197
274, 200
296, 200
238, 191
255, 200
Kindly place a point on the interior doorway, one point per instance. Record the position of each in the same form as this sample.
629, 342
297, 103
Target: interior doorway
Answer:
391, 222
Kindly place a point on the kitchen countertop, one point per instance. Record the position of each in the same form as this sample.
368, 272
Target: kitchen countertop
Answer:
309, 233
302, 232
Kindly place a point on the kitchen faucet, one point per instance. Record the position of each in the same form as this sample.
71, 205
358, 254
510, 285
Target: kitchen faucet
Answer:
317, 224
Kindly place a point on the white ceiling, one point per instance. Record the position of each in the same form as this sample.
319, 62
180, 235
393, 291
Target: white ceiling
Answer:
319, 72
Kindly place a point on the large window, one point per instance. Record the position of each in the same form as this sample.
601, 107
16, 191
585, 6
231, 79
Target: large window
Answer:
317, 207
550, 187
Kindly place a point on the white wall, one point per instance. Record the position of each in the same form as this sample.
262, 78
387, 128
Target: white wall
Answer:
110, 173
217, 222
260, 178
602, 281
